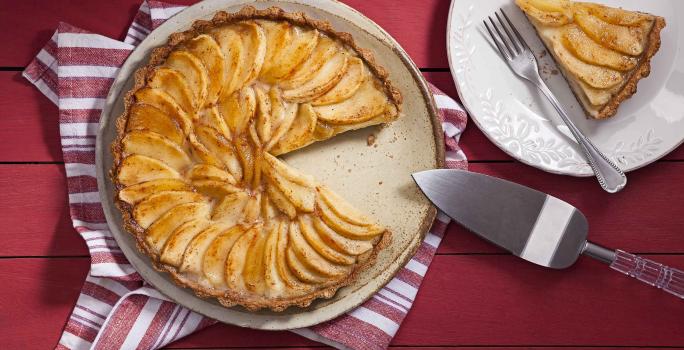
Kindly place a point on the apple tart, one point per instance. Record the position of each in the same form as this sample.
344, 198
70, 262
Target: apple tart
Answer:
198, 180
602, 51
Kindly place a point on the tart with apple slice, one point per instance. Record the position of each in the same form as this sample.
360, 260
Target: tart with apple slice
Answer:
198, 180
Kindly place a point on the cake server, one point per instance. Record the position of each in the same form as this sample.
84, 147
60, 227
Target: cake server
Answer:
532, 225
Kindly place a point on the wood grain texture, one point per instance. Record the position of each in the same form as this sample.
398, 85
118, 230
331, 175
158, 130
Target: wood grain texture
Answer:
35, 219
642, 218
29, 122
476, 300
36, 300
34, 21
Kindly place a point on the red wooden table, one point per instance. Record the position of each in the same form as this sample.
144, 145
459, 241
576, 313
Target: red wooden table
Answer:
474, 295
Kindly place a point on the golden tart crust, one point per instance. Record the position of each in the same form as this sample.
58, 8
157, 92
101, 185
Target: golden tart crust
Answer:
597, 50
191, 176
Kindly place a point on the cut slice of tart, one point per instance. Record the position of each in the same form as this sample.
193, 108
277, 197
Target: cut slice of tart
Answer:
197, 177
602, 51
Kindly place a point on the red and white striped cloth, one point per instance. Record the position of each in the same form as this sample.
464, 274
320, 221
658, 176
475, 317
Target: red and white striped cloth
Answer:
116, 309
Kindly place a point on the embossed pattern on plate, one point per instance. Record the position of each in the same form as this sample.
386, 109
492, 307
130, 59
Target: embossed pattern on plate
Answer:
516, 117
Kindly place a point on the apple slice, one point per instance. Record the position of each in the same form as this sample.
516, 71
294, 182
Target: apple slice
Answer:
252, 209
136, 193
311, 235
586, 49
300, 270
310, 257
191, 68
322, 53
281, 202
166, 104
147, 117
554, 18
303, 42
303, 198
254, 52
202, 154
231, 208
289, 173
278, 35
220, 148
151, 208
210, 172
269, 212
324, 79
352, 79
366, 103
137, 168
296, 287
174, 84
595, 76
160, 230
627, 40
301, 131
342, 208
215, 188
215, 259
155, 146
175, 246
208, 51
197, 248
596, 97
254, 271
283, 115
275, 285
246, 155
231, 46
323, 130
338, 242
238, 109
235, 263
552, 5
211, 117
614, 15
346, 228
263, 114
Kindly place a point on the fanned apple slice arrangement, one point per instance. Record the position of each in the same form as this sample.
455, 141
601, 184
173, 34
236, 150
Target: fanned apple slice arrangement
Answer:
198, 181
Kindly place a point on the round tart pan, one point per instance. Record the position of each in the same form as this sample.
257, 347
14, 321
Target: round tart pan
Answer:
371, 167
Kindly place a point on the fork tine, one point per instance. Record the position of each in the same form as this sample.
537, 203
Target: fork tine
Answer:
496, 42
503, 38
518, 47
517, 34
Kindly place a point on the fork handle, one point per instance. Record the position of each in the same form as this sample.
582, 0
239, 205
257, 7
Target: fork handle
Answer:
609, 176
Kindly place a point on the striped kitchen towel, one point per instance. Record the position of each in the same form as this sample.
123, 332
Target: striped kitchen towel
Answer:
116, 309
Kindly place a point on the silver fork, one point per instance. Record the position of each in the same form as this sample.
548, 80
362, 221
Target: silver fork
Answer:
519, 57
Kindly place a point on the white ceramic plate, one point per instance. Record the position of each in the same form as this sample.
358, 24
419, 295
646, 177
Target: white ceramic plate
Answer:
376, 179
518, 119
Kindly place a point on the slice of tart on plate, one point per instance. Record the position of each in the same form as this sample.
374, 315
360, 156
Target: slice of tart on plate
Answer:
602, 51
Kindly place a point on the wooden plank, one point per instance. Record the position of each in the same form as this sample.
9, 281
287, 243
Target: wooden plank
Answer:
502, 300
34, 22
35, 212
471, 300
36, 299
29, 127
641, 218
